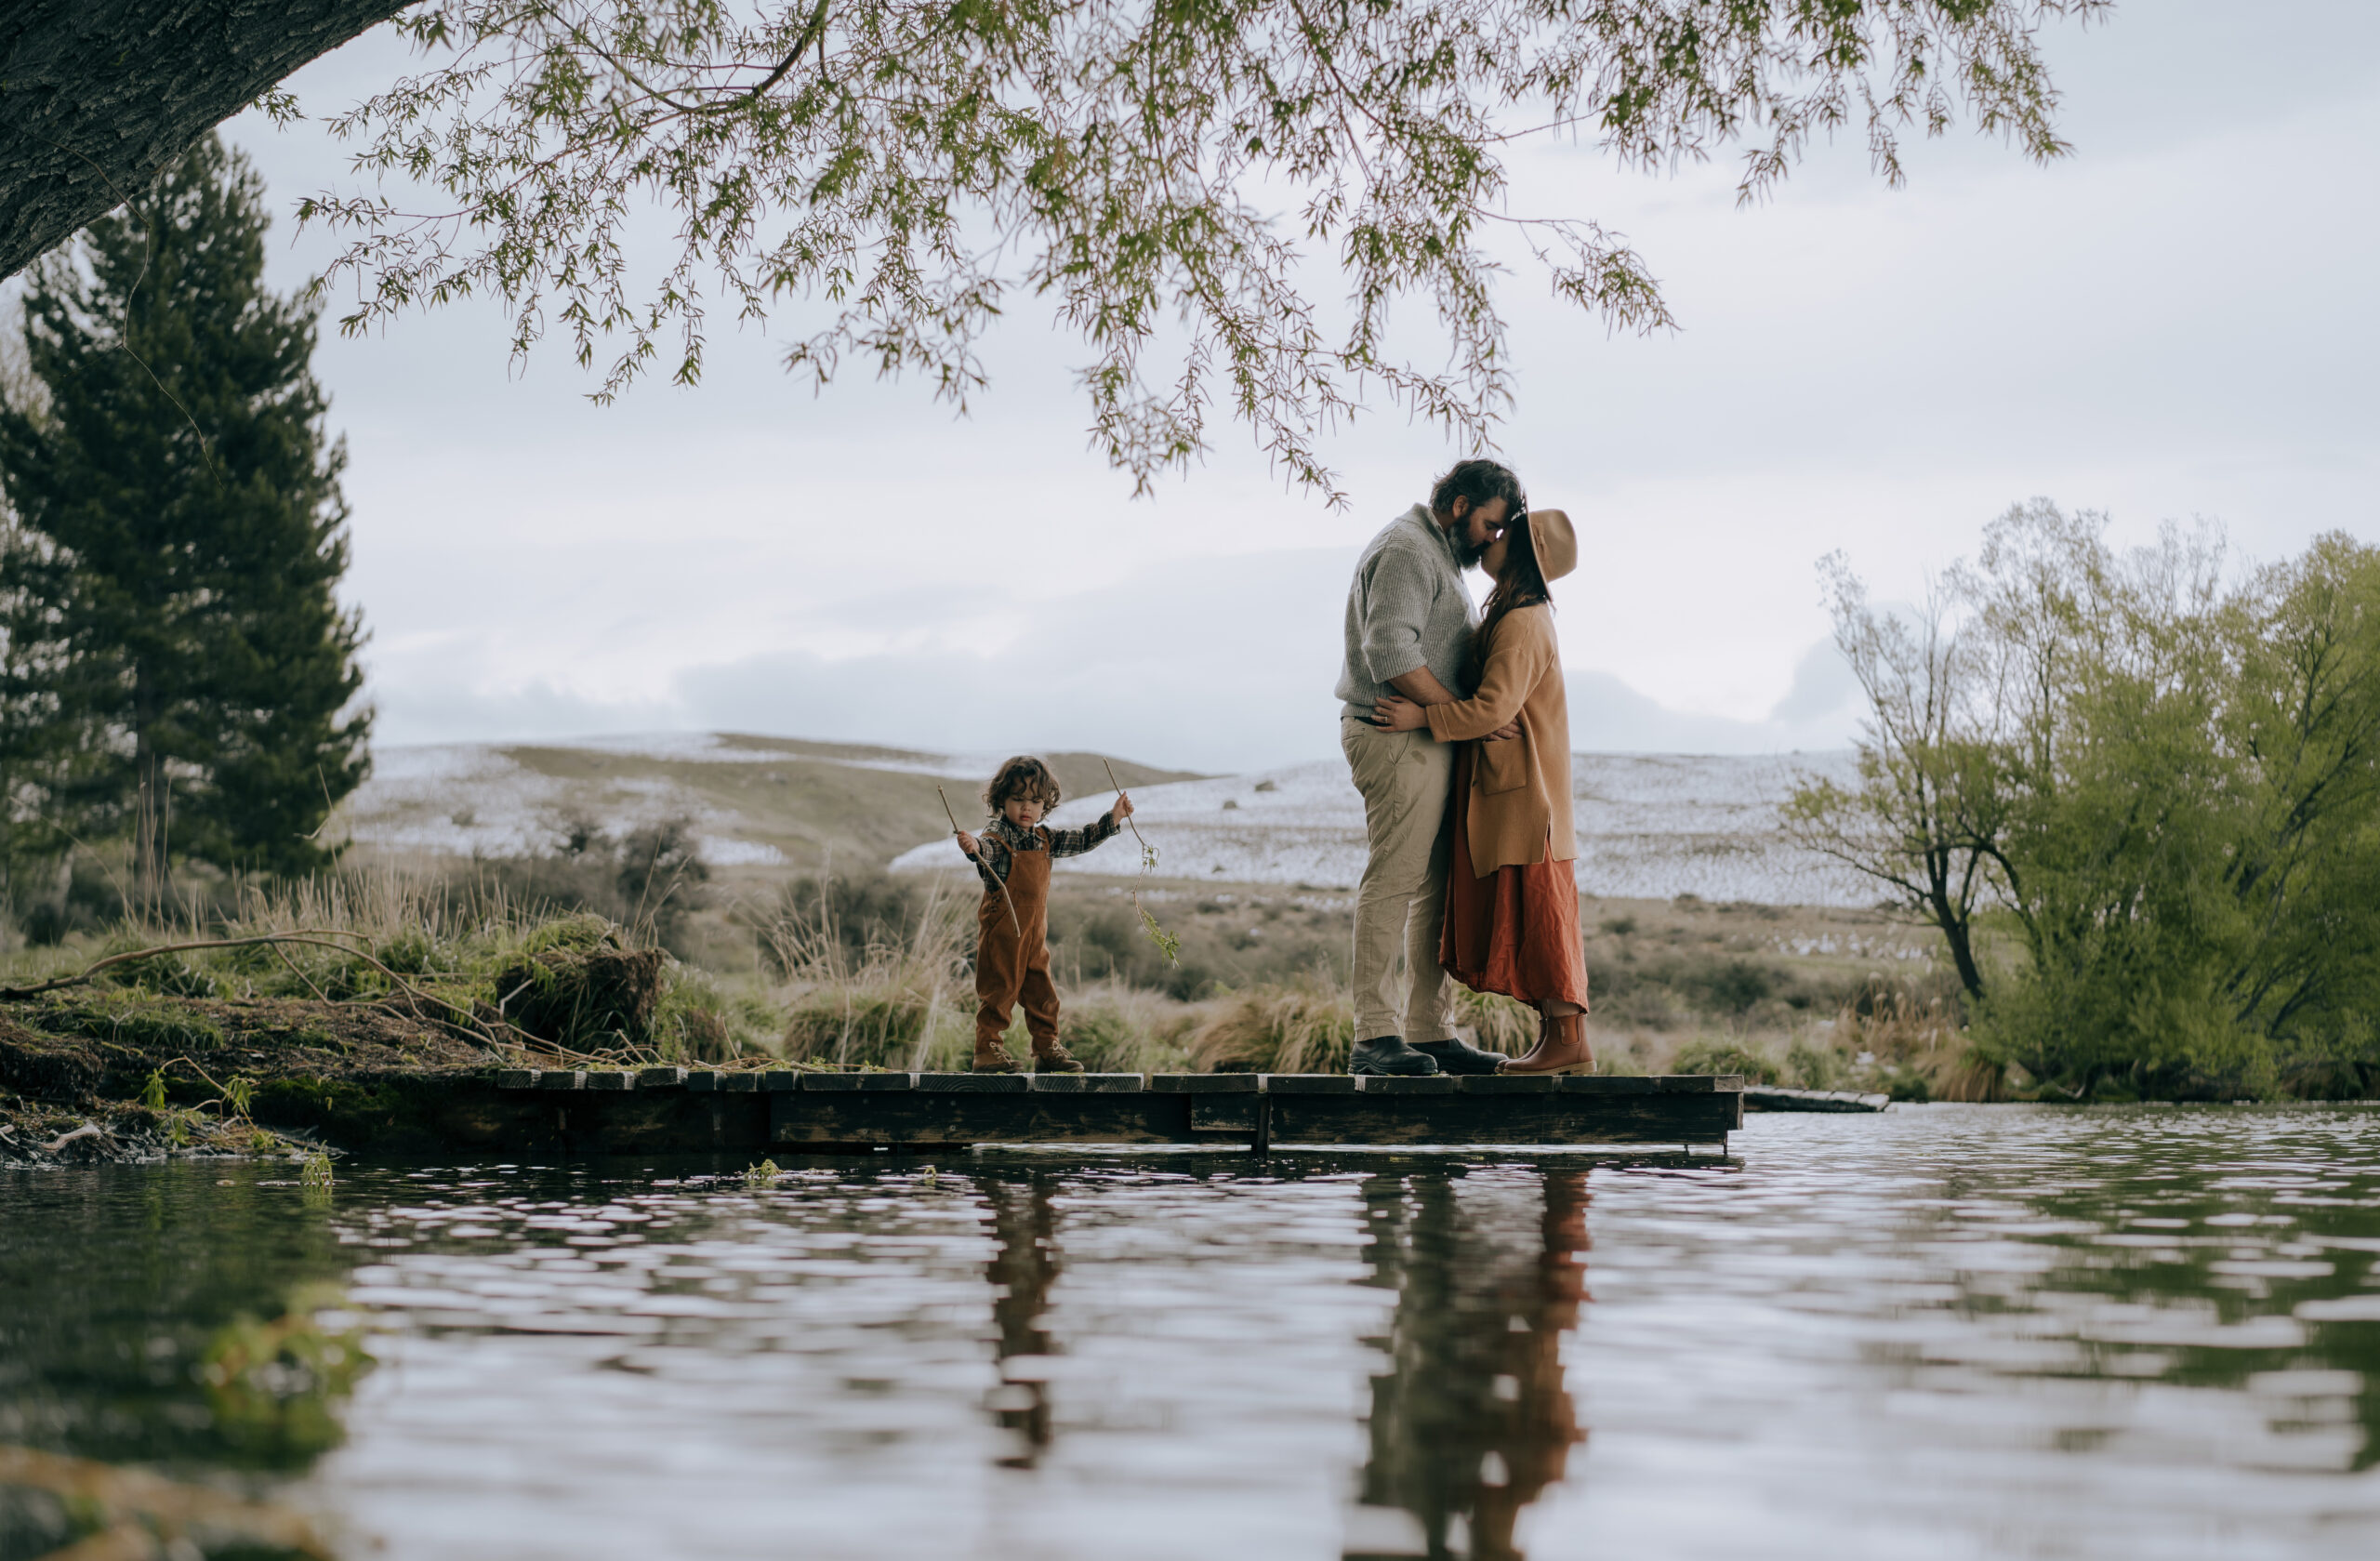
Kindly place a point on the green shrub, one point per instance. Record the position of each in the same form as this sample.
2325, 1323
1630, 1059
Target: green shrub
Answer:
1815, 1067
1726, 986
696, 1022
1710, 1056
581, 996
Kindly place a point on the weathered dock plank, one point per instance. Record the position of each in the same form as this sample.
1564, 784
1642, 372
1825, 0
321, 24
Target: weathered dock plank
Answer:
1537, 1117
923, 1117
852, 1083
755, 1112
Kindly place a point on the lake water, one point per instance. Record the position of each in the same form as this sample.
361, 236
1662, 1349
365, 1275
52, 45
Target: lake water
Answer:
1947, 1332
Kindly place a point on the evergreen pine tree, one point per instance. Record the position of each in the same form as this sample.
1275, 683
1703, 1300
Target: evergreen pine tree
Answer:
185, 534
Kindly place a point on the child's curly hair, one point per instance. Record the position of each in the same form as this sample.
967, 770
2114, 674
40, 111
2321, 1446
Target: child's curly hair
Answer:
1023, 776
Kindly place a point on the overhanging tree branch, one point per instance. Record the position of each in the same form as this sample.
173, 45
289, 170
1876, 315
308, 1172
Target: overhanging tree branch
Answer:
96, 95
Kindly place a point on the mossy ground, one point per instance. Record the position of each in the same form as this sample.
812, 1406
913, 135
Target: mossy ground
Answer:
160, 1076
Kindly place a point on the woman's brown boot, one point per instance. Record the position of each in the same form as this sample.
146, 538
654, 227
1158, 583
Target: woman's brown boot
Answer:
1561, 1048
992, 1057
1054, 1058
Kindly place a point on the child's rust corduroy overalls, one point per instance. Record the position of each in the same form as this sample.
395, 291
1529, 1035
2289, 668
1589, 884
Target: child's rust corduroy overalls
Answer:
1009, 966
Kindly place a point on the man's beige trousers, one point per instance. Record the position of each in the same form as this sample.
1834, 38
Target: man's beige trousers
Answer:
1402, 902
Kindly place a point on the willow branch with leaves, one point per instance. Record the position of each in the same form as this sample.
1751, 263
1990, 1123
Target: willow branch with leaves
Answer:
1168, 945
1168, 175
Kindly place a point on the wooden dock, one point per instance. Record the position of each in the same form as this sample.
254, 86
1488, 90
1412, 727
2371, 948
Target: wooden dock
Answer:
656, 1110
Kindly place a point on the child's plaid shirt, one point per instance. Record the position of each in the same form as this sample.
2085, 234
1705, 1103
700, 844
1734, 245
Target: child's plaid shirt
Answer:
1000, 838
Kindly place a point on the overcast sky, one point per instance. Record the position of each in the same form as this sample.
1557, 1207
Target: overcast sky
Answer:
2179, 320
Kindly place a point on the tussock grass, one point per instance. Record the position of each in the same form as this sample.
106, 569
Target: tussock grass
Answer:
1115, 1027
1302, 1027
1496, 1024
1899, 1044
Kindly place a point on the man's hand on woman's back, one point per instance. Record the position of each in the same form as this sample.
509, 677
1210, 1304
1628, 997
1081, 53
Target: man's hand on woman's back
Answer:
1394, 712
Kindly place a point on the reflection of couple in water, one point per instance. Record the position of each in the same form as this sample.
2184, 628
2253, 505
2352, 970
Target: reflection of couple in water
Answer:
1470, 1420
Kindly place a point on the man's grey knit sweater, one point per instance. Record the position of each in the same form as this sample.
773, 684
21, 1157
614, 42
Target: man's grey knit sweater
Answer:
1407, 608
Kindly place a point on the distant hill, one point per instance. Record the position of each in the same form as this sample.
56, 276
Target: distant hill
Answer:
1649, 826
755, 802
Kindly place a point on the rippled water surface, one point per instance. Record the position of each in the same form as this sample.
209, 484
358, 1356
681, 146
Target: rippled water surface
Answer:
1945, 1332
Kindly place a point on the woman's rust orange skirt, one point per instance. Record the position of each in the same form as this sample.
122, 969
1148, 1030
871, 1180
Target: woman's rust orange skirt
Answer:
1515, 931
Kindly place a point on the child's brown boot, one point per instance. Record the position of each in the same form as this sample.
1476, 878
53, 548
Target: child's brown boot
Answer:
1054, 1058
992, 1057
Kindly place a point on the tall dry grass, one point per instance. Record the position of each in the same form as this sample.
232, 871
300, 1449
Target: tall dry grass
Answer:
1921, 1039
902, 1001
1112, 1027
1308, 1026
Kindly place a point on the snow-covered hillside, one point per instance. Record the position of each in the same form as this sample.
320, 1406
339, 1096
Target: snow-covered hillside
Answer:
1649, 826
475, 800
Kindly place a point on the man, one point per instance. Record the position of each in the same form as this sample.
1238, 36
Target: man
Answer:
1409, 619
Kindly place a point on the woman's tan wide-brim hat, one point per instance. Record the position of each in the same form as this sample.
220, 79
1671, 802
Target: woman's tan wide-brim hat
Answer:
1556, 543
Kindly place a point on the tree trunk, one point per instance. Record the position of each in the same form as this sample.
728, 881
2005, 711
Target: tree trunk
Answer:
1955, 925
96, 95
1963, 956
148, 826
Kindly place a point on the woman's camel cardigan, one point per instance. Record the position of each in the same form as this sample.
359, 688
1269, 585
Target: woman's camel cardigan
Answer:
1518, 811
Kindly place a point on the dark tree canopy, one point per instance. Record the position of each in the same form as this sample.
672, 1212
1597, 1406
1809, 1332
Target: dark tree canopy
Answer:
97, 96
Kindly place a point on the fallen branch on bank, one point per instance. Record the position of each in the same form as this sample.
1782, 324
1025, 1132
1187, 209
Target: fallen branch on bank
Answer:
460, 1016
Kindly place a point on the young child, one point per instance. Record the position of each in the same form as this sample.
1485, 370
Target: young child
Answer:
1012, 957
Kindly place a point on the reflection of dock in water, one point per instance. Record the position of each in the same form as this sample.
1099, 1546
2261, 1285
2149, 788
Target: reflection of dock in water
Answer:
660, 1110
1472, 1420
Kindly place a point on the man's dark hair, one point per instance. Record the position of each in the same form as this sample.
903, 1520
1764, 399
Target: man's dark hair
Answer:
1477, 481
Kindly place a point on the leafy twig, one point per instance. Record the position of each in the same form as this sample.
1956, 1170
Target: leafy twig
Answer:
1168, 945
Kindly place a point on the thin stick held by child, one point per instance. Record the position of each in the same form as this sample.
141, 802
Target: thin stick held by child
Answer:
1012, 856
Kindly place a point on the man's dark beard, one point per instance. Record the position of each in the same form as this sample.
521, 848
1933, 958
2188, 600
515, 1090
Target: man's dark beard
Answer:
1465, 552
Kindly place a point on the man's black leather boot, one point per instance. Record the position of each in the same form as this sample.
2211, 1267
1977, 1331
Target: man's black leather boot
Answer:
1389, 1054
1460, 1056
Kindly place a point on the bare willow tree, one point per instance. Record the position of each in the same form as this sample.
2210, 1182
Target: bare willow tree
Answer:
1163, 172
1926, 819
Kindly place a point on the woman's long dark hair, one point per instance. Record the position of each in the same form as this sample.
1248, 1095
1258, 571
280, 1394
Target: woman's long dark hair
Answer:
1521, 583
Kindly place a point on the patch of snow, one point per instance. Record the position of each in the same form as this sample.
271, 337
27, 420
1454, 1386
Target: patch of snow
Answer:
471, 799
723, 853
454, 799
712, 747
975, 767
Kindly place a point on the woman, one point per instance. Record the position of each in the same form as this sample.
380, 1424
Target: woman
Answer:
1512, 896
